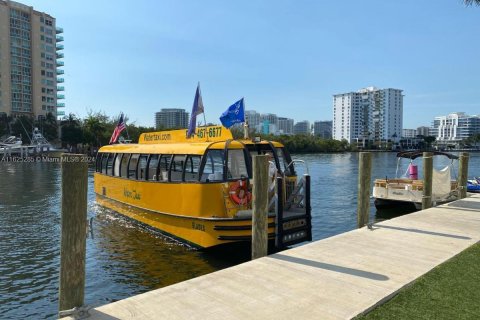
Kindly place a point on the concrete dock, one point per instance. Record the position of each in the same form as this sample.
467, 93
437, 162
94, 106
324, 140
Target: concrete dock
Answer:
335, 278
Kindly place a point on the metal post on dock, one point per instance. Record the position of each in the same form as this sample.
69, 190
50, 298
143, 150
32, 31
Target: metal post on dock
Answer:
427, 180
463, 174
74, 226
260, 207
364, 178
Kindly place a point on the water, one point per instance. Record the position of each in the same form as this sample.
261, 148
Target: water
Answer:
123, 259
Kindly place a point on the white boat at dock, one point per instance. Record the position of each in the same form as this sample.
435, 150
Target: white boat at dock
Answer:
407, 191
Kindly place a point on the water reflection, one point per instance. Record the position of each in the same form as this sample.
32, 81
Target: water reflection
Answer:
123, 259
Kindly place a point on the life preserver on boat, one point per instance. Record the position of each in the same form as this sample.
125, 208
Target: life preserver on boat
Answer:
239, 192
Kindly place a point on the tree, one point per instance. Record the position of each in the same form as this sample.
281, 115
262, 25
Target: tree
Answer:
429, 140
22, 127
71, 130
97, 128
471, 2
48, 127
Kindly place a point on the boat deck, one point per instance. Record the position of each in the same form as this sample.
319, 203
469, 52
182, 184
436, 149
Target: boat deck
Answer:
335, 278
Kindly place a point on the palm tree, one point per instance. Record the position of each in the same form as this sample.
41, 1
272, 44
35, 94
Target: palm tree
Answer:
471, 2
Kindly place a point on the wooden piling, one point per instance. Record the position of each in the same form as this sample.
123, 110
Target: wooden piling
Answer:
74, 226
463, 174
260, 207
427, 180
364, 178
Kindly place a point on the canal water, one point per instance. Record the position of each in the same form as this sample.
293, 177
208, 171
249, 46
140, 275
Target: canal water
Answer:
125, 260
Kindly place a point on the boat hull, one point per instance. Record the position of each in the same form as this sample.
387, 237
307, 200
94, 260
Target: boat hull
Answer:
196, 232
193, 213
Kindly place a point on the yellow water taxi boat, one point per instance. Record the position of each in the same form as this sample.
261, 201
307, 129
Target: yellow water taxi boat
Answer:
198, 190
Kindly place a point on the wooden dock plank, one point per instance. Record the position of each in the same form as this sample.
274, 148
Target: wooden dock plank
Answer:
335, 278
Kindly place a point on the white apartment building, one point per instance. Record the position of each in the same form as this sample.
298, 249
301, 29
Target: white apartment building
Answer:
302, 127
30, 62
171, 118
409, 133
455, 126
285, 125
323, 129
368, 114
252, 117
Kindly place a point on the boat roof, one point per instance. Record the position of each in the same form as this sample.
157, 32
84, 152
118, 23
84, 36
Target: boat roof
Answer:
417, 153
176, 142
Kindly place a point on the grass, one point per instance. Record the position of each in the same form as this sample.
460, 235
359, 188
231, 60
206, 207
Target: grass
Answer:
449, 291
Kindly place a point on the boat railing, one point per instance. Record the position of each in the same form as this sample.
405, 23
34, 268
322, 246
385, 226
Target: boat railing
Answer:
305, 164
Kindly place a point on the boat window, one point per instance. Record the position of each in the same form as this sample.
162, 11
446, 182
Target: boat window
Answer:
213, 167
142, 167
104, 162
192, 167
164, 166
98, 162
116, 164
152, 167
124, 165
237, 168
176, 168
132, 166
110, 163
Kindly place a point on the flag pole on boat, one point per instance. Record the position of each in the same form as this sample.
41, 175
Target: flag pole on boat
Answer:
197, 108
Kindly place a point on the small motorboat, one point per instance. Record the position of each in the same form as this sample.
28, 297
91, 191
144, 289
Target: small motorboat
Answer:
473, 185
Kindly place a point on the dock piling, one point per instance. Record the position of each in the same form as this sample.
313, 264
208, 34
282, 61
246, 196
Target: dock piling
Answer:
364, 178
260, 207
427, 180
463, 174
73, 234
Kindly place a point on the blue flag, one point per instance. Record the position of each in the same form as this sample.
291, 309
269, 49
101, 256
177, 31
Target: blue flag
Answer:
197, 109
234, 114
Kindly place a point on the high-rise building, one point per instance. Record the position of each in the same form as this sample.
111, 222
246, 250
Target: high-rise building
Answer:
368, 114
323, 129
171, 118
409, 133
423, 131
253, 118
455, 126
285, 125
30, 53
302, 127
270, 117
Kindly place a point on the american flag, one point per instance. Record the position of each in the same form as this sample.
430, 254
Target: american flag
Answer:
118, 129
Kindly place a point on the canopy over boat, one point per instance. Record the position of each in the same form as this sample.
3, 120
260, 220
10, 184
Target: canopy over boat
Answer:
416, 154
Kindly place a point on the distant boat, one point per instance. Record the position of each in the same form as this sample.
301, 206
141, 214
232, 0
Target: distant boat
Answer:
473, 185
11, 141
407, 191
38, 143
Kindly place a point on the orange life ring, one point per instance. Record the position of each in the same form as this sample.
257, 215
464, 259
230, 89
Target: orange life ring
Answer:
239, 192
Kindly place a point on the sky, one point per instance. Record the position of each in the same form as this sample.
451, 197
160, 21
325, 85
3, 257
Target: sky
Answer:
283, 57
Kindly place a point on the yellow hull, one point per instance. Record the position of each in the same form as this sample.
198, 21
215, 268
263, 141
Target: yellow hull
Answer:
194, 213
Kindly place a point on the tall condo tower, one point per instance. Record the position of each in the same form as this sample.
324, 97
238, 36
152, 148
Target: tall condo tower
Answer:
30, 62
369, 114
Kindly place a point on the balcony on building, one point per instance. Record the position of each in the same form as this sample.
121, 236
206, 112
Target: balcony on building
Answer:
60, 105
60, 113
59, 38
60, 88
60, 80
58, 30
60, 55
60, 71
60, 96
60, 63
59, 47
